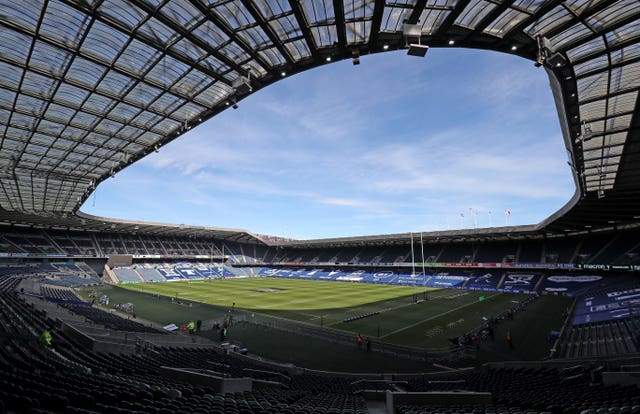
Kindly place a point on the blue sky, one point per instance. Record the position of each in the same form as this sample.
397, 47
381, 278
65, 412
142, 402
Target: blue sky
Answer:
396, 144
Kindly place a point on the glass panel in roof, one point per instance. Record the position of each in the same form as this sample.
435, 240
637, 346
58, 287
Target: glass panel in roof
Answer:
318, 11
12, 145
570, 36
14, 46
191, 84
215, 65
145, 120
165, 127
158, 32
270, 8
11, 75
98, 104
115, 84
592, 86
167, 103
234, 14
475, 11
123, 13
210, 33
627, 32
589, 48
58, 113
273, 56
298, 49
84, 120
96, 139
393, 18
622, 103
505, 22
324, 35
49, 59
103, 43
431, 19
616, 12
130, 132
27, 104
579, 6
50, 127
23, 120
63, 24
115, 143
625, 77
255, 37
70, 95
257, 71
149, 138
108, 127
625, 54
592, 110
73, 133
166, 71
137, 58
358, 32
358, 9
182, 13
234, 52
549, 21
285, 27
590, 65
38, 85
186, 48
63, 144
36, 149
618, 123
123, 112
214, 94
142, 94
85, 72
23, 13
528, 5
188, 111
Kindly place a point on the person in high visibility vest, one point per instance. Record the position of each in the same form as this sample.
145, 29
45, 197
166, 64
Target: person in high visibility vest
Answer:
45, 338
191, 326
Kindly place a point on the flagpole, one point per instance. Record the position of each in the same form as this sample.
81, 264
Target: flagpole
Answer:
424, 274
413, 260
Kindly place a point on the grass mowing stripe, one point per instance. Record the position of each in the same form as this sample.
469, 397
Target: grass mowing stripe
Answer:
404, 328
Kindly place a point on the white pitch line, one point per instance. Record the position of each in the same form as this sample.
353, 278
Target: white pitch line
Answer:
433, 317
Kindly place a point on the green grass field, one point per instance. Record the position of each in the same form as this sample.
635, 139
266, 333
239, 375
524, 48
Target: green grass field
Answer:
426, 324
446, 313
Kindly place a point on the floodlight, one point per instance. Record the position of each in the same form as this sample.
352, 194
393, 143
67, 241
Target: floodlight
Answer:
557, 60
416, 49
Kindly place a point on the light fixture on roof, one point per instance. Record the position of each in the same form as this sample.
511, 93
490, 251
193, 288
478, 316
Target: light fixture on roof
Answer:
355, 55
385, 47
156, 148
413, 32
283, 74
242, 84
514, 48
327, 59
547, 55
452, 42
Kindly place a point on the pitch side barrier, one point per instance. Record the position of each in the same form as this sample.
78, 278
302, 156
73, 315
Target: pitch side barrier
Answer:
340, 337
436, 265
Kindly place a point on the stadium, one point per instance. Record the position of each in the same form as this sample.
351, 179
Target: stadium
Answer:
106, 315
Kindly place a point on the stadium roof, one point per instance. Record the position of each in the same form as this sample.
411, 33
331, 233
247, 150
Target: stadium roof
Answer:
90, 86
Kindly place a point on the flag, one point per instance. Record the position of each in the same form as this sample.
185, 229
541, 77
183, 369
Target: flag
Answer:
507, 212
